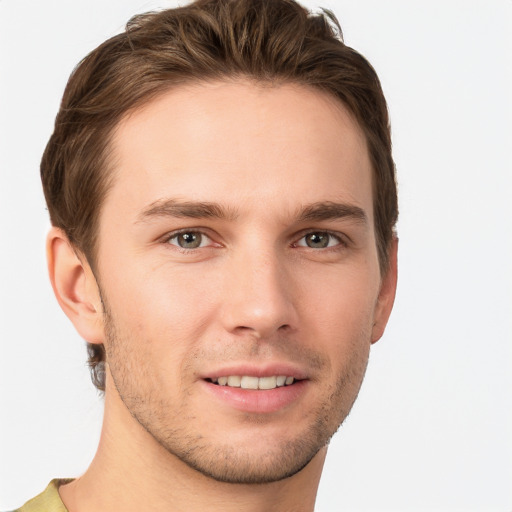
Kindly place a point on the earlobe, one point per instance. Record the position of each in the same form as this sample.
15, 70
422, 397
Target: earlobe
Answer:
387, 293
74, 286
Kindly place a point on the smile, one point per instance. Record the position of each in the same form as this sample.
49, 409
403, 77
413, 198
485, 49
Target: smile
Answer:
252, 382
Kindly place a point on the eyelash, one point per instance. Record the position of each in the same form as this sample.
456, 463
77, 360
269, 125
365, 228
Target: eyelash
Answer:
175, 234
339, 238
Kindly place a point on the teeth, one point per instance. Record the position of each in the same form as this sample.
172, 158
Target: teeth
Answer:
234, 381
267, 383
251, 382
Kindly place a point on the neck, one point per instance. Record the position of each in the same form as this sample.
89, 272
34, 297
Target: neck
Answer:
132, 471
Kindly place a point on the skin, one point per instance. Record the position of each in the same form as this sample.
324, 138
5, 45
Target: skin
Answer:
284, 166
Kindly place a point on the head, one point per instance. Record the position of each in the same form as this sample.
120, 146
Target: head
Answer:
244, 65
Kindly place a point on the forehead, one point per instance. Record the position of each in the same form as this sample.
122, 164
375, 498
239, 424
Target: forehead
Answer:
241, 144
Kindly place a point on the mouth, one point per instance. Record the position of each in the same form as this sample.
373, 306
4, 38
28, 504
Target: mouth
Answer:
253, 382
259, 389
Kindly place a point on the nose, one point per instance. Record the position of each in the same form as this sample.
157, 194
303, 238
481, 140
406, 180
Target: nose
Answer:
259, 296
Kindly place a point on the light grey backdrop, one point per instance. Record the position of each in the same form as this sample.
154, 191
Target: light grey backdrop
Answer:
432, 429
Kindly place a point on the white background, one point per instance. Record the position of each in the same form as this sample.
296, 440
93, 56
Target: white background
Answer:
432, 429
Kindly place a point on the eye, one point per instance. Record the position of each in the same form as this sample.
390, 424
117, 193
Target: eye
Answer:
319, 240
189, 240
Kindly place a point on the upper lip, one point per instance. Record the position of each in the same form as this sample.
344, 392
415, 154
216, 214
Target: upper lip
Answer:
256, 370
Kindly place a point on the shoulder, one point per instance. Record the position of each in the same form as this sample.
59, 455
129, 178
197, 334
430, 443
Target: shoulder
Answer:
48, 501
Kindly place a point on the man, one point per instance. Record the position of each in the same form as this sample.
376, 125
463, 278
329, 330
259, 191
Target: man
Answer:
222, 194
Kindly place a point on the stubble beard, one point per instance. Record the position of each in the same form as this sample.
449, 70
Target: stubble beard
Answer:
226, 463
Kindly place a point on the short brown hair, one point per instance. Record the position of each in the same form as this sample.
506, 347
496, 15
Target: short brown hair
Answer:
266, 40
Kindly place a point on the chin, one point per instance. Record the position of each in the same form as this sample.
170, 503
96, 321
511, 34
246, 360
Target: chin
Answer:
236, 465
252, 456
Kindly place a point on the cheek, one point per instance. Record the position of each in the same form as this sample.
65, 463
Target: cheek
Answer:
342, 302
160, 313
159, 295
340, 324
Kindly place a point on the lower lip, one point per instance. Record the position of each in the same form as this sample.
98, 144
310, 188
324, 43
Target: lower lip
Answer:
255, 400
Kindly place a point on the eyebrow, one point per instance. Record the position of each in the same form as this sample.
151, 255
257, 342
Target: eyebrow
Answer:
331, 211
327, 210
186, 209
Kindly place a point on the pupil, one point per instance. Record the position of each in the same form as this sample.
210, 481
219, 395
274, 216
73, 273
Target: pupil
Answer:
318, 240
189, 240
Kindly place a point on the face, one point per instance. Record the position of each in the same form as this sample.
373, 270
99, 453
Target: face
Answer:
239, 273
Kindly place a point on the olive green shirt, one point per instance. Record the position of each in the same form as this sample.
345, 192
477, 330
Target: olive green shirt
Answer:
49, 500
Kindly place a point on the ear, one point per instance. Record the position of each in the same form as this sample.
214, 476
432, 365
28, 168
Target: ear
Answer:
386, 294
75, 286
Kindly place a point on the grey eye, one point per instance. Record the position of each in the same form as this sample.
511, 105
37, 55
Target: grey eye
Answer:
188, 240
317, 240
